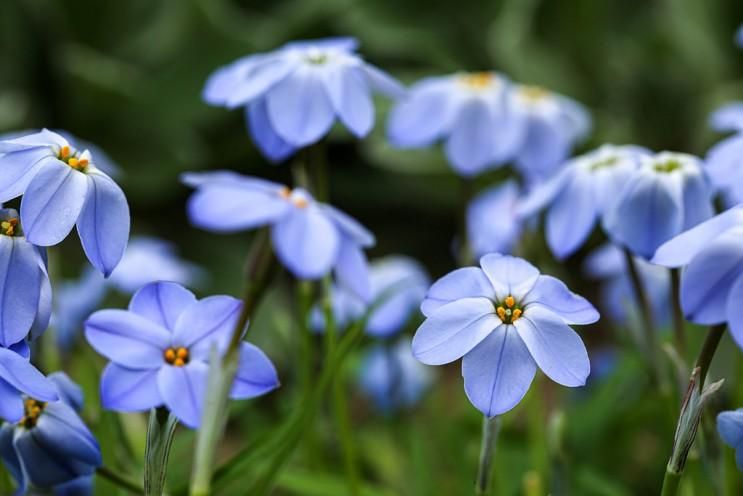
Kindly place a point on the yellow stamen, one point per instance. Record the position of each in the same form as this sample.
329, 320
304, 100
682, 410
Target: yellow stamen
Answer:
64, 152
516, 314
7, 227
501, 313
178, 357
533, 93
182, 353
477, 80
285, 192
170, 355
72, 162
179, 362
300, 202
510, 302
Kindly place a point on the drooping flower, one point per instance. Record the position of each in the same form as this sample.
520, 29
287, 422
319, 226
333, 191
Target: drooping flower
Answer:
711, 283
505, 320
25, 291
492, 222
17, 378
724, 161
293, 95
310, 238
398, 285
550, 125
581, 194
392, 377
607, 263
50, 447
61, 188
730, 428
668, 194
470, 112
160, 348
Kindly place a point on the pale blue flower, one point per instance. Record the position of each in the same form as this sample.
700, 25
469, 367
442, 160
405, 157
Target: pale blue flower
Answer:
18, 378
581, 194
492, 222
668, 194
730, 428
310, 238
293, 95
61, 188
392, 377
724, 161
727, 118
505, 320
739, 37
469, 112
160, 349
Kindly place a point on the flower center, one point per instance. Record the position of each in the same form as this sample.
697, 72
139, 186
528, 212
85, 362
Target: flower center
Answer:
177, 357
298, 200
668, 166
316, 57
508, 311
477, 80
533, 93
604, 163
32, 411
9, 227
70, 158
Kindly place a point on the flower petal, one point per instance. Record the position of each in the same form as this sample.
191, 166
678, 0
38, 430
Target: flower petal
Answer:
697, 198
264, 136
256, 375
728, 117
9, 455
52, 203
352, 270
556, 348
162, 303
63, 432
350, 95
468, 282
424, 116
104, 223
11, 403
206, 323
20, 288
299, 107
382, 82
453, 330
258, 79
17, 169
307, 242
127, 338
572, 216
498, 372
469, 147
349, 226
183, 389
18, 372
129, 390
553, 294
509, 276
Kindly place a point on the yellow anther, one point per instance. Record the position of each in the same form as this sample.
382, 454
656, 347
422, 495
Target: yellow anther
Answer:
300, 202
477, 80
72, 162
501, 313
64, 152
182, 353
83, 162
179, 362
170, 355
7, 227
516, 314
509, 301
285, 192
178, 357
32, 411
533, 93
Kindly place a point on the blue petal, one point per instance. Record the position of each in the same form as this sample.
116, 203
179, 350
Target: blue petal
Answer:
509, 276
335, 43
162, 303
10, 457
470, 147
734, 311
730, 428
103, 225
43, 467
307, 242
382, 82
127, 338
52, 203
129, 390
20, 288
706, 282
697, 198
684, 247
206, 323
554, 295
544, 148
572, 216
352, 270
223, 82
17, 169
11, 403
183, 390
468, 282
44, 138
486, 236
82, 486
299, 107
68, 391
724, 162
260, 78
19, 373
264, 137
728, 117
61, 431
44, 314
424, 116
350, 97
349, 226
453, 330
556, 348
256, 375
544, 193
498, 372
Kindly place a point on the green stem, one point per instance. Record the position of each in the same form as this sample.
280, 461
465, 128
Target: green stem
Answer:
679, 337
711, 342
490, 428
119, 480
671, 483
260, 268
160, 431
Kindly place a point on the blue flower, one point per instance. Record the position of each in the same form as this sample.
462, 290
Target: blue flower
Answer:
62, 187
608, 264
711, 283
739, 37
160, 349
727, 118
581, 194
724, 161
398, 285
50, 446
549, 125
667, 195
392, 377
25, 291
310, 238
505, 320
730, 428
19, 377
293, 95
492, 222
468, 111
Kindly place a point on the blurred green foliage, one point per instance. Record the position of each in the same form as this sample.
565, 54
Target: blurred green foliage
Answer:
127, 76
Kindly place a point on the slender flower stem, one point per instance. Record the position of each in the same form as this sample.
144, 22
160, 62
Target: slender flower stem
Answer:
648, 324
260, 268
671, 483
490, 428
160, 431
679, 337
119, 480
711, 342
